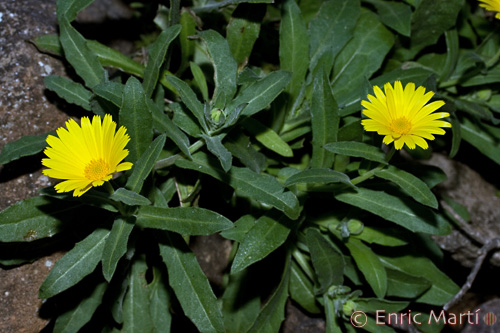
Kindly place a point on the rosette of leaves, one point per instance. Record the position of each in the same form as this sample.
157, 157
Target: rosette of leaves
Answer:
251, 131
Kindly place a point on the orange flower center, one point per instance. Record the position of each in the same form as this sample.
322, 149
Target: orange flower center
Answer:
96, 170
400, 126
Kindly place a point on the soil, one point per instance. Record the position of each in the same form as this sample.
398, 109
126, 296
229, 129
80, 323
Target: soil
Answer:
27, 108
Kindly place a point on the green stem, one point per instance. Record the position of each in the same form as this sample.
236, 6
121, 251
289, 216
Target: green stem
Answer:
166, 162
369, 174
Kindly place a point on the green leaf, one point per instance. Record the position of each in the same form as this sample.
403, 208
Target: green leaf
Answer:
361, 57
318, 176
240, 306
479, 135
110, 91
243, 30
136, 317
79, 55
398, 210
382, 236
240, 228
324, 121
33, 218
410, 184
137, 119
328, 262
116, 245
68, 90
187, 45
242, 149
215, 146
75, 265
157, 53
225, 68
74, 319
130, 198
183, 220
70, 8
163, 124
190, 285
395, 15
294, 46
48, 43
190, 100
113, 58
267, 137
268, 233
357, 149
443, 288
159, 303
260, 94
426, 29
273, 312
25, 146
369, 264
199, 79
400, 284
325, 39
302, 290
374, 304
261, 187
144, 165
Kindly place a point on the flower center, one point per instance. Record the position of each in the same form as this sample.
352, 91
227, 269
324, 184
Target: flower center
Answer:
96, 170
400, 126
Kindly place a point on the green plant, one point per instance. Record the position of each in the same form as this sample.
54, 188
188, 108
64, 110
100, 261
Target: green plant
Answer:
276, 160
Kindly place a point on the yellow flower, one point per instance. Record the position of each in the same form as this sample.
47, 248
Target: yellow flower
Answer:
86, 156
403, 116
492, 5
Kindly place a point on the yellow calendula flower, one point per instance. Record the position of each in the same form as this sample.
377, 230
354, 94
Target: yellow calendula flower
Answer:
86, 156
491, 5
403, 115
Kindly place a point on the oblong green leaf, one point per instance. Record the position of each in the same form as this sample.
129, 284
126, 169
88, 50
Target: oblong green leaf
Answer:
260, 94
190, 100
136, 317
266, 235
159, 302
361, 57
479, 135
357, 149
324, 121
74, 319
33, 218
183, 220
402, 212
327, 261
157, 53
199, 79
215, 146
130, 198
410, 184
75, 265
273, 312
261, 187
115, 246
302, 290
318, 176
190, 285
70, 8
369, 264
113, 58
225, 68
137, 119
145, 164
267, 137
400, 284
395, 15
443, 288
243, 30
242, 149
79, 55
25, 146
72, 92
293, 46
382, 236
